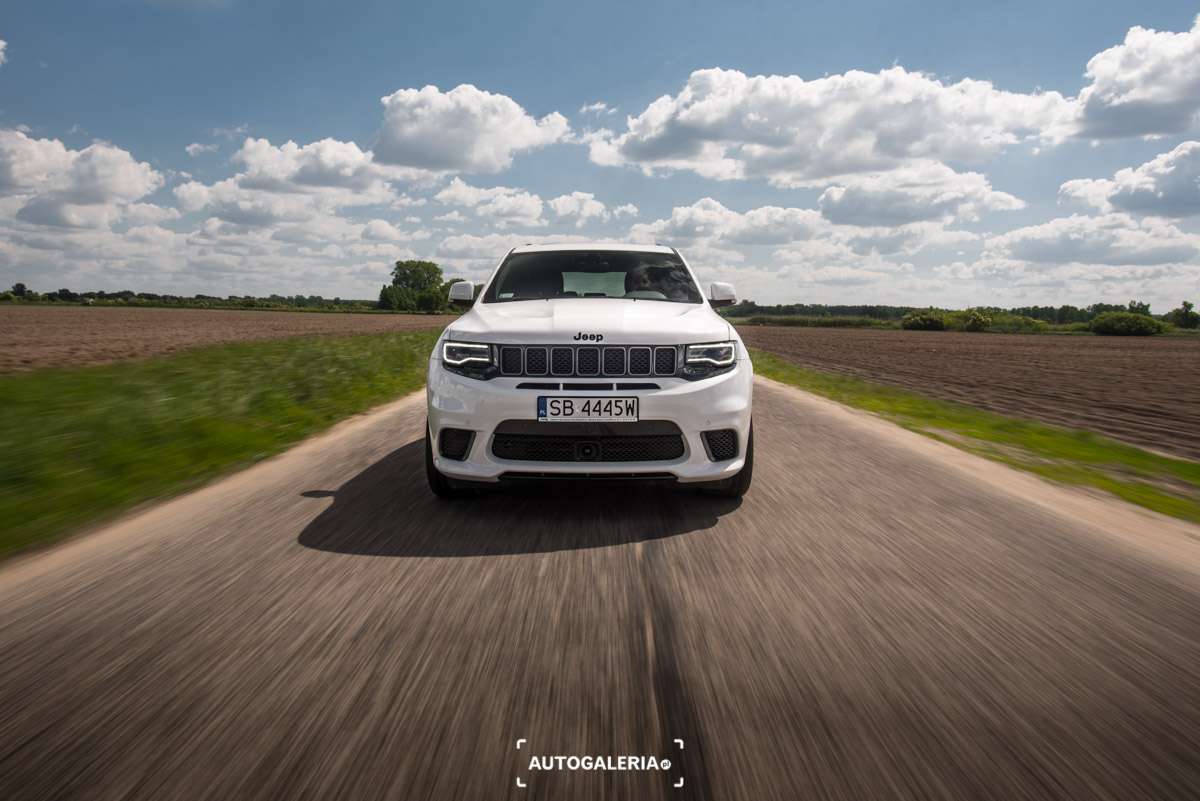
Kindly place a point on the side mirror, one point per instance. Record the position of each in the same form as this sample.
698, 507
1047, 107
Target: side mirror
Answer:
721, 294
462, 293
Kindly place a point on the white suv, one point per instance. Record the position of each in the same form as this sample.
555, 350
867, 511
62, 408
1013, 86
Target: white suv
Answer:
590, 361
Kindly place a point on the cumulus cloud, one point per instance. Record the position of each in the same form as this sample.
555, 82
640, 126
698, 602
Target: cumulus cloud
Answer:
1114, 239
294, 183
928, 191
709, 222
71, 188
596, 108
521, 209
1166, 186
578, 208
460, 193
500, 205
3, 52
726, 125
1147, 86
463, 130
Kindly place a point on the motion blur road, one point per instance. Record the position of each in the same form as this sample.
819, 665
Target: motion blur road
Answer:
881, 617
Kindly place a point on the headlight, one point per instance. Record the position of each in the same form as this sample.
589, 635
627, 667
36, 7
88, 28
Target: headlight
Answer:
715, 354
709, 359
469, 358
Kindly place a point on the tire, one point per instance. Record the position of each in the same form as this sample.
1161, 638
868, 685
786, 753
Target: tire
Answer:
740, 483
438, 483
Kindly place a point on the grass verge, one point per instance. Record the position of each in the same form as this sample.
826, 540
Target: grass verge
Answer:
1169, 486
78, 446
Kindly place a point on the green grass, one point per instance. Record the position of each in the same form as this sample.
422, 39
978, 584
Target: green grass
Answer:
1169, 486
79, 446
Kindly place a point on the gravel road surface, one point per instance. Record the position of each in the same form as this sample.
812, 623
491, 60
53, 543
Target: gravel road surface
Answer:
881, 617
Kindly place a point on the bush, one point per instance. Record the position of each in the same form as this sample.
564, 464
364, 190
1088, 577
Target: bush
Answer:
1125, 324
1184, 317
7, 297
924, 320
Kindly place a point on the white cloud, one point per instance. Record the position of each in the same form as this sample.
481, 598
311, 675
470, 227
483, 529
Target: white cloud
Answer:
451, 217
596, 108
381, 230
726, 125
578, 208
71, 188
708, 222
1166, 186
195, 149
460, 193
1147, 86
292, 183
928, 191
463, 130
521, 209
3, 52
1114, 239
626, 210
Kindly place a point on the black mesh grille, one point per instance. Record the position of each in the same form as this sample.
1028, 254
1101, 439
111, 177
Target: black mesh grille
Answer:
639, 361
454, 443
614, 361
535, 361
561, 361
664, 361
510, 361
722, 445
587, 361
571, 448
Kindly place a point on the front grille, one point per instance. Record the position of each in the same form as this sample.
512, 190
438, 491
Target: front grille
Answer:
583, 448
722, 445
588, 361
454, 443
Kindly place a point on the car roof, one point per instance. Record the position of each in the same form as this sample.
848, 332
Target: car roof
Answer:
616, 246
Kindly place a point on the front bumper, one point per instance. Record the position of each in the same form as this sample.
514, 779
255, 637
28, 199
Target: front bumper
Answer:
694, 407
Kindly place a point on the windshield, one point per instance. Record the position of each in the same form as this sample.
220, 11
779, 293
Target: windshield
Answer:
593, 274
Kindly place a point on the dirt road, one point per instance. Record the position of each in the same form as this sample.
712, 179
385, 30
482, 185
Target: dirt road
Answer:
881, 617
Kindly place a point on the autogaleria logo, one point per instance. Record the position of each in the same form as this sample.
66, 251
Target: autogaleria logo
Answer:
547, 762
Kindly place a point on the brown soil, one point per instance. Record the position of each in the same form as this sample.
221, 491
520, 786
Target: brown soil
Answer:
39, 336
1144, 391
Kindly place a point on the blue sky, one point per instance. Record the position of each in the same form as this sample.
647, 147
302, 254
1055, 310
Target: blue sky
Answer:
862, 152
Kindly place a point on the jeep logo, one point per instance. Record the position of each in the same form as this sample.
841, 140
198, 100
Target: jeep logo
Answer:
589, 337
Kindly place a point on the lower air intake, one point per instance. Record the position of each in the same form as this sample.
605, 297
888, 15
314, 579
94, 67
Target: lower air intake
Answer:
572, 448
722, 445
455, 442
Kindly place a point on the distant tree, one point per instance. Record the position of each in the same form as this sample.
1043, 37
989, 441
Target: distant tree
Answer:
417, 276
1184, 317
19, 290
7, 297
431, 300
66, 294
1139, 308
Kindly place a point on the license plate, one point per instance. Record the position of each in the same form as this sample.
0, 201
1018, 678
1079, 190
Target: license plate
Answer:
595, 410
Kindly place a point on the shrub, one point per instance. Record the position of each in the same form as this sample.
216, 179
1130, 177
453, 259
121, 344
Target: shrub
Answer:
1184, 317
7, 297
924, 320
1125, 324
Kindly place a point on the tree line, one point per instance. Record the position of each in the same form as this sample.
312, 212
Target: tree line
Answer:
1182, 317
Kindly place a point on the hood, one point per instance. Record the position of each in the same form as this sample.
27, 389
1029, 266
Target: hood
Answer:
618, 321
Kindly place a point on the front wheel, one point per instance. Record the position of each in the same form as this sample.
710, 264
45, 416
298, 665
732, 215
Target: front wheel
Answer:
740, 483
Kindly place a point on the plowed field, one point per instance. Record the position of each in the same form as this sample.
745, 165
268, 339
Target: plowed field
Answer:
1144, 391
39, 336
